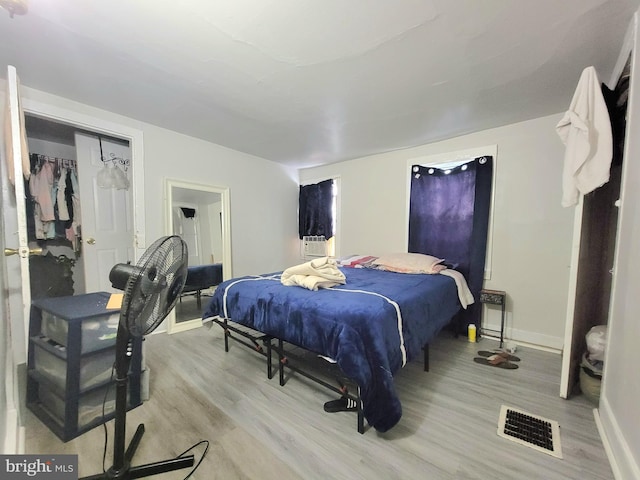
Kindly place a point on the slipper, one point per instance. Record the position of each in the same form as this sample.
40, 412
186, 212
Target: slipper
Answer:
502, 353
342, 404
496, 361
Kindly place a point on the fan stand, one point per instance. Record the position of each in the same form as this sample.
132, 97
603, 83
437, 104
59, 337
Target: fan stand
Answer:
121, 468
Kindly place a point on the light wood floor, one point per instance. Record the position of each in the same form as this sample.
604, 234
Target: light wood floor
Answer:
259, 430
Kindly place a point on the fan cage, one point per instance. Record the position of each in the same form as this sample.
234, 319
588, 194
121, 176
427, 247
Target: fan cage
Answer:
152, 293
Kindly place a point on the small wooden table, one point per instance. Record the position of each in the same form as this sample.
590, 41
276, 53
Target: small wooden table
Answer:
494, 297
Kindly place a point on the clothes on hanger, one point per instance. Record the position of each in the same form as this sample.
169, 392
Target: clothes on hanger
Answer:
53, 200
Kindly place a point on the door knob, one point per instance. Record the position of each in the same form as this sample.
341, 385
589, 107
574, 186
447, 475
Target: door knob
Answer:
91, 241
23, 253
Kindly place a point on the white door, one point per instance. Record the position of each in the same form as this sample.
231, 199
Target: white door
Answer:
107, 213
16, 292
9, 394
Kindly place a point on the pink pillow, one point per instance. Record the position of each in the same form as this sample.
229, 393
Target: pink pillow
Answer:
409, 263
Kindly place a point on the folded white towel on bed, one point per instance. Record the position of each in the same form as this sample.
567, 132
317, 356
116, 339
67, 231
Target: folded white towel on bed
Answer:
318, 273
464, 294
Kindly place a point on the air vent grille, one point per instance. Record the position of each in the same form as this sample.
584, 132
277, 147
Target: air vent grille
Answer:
530, 430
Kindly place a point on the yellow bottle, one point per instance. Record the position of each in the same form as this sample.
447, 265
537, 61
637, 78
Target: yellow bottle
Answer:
472, 332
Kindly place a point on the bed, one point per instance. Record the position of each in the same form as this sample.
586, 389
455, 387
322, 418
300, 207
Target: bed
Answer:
201, 277
371, 326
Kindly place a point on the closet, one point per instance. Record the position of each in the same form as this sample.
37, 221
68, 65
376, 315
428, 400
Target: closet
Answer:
55, 206
597, 240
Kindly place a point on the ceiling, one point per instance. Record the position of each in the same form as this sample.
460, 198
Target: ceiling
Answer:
308, 82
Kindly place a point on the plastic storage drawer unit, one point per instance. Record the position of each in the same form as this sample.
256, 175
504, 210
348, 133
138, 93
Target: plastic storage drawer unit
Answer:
95, 333
81, 320
93, 370
71, 354
90, 406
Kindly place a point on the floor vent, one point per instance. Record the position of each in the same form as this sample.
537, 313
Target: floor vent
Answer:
530, 430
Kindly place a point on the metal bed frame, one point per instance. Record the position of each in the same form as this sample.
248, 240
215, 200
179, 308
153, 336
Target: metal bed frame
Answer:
310, 365
299, 360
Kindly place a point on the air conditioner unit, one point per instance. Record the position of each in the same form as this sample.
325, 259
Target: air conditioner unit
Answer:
314, 246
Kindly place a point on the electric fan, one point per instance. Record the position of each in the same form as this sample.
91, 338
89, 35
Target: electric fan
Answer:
151, 289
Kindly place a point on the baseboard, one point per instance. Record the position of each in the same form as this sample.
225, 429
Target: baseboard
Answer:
22, 440
14, 431
184, 326
529, 339
623, 463
606, 444
13, 442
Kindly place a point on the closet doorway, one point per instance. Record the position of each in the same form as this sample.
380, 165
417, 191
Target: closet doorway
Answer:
200, 214
79, 207
594, 244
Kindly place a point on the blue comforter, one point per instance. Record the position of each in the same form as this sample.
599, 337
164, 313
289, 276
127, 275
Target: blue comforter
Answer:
371, 326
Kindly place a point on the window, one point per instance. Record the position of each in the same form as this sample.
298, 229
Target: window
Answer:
449, 214
317, 212
451, 160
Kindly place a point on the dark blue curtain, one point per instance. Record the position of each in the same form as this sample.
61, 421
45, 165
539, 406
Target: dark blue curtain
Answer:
449, 218
315, 216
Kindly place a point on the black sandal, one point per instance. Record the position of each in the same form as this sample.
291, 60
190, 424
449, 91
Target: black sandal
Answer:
502, 353
496, 361
342, 404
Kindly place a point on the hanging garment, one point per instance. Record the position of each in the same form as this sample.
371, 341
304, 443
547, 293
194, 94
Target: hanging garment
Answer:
8, 142
40, 187
61, 200
585, 129
68, 198
52, 199
68, 192
75, 225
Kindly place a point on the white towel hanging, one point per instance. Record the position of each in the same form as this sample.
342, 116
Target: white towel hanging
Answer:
585, 129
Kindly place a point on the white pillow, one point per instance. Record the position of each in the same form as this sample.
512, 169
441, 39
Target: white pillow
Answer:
409, 263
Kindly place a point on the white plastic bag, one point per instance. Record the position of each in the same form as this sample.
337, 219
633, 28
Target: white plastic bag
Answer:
597, 342
111, 176
120, 180
105, 177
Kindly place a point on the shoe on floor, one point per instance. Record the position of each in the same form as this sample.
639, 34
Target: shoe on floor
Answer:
496, 361
502, 353
342, 404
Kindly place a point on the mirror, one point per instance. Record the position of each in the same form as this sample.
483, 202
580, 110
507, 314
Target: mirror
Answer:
200, 215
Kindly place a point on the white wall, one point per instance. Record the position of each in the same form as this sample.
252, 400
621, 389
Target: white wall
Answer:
532, 232
263, 193
51, 149
620, 396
